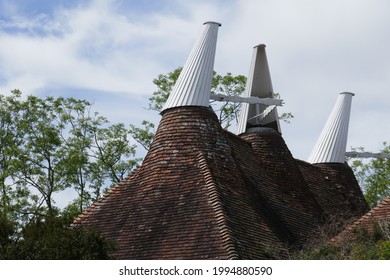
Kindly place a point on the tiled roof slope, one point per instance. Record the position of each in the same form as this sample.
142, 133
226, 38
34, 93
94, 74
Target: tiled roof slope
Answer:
291, 199
380, 213
335, 189
205, 193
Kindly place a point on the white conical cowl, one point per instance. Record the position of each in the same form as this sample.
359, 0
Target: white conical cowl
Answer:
259, 84
332, 143
193, 86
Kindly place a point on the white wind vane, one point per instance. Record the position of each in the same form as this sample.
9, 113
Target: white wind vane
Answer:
366, 155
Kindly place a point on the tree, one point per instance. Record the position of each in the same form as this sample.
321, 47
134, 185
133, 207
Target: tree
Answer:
52, 144
164, 83
43, 158
113, 154
228, 85
373, 176
144, 136
53, 239
99, 153
15, 204
46, 146
7, 229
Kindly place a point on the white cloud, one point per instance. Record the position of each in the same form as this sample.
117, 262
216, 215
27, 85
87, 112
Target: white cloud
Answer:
93, 47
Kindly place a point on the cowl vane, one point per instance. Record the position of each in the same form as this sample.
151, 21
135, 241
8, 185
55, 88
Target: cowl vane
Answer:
194, 83
332, 143
259, 85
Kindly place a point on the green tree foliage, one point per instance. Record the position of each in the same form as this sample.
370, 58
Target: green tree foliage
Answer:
228, 85
113, 153
164, 83
373, 176
144, 136
15, 200
54, 239
52, 144
48, 145
7, 230
43, 157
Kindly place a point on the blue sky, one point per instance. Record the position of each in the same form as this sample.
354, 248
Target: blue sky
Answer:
110, 51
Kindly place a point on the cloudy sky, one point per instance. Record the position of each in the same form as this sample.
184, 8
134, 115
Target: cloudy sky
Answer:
109, 51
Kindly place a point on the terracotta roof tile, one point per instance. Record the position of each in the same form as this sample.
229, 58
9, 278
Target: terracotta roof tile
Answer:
368, 221
335, 189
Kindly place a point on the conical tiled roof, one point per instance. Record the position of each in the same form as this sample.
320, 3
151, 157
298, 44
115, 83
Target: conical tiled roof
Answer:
332, 143
259, 84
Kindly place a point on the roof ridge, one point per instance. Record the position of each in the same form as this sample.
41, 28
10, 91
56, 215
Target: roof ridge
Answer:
227, 238
375, 209
370, 215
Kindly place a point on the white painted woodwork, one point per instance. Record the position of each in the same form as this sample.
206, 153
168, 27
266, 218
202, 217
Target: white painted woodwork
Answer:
250, 100
194, 83
366, 155
332, 143
259, 85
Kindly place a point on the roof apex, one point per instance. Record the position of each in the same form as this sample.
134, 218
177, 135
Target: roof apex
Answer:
194, 83
212, 22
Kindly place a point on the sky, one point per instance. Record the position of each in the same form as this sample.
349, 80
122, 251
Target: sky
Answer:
110, 51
